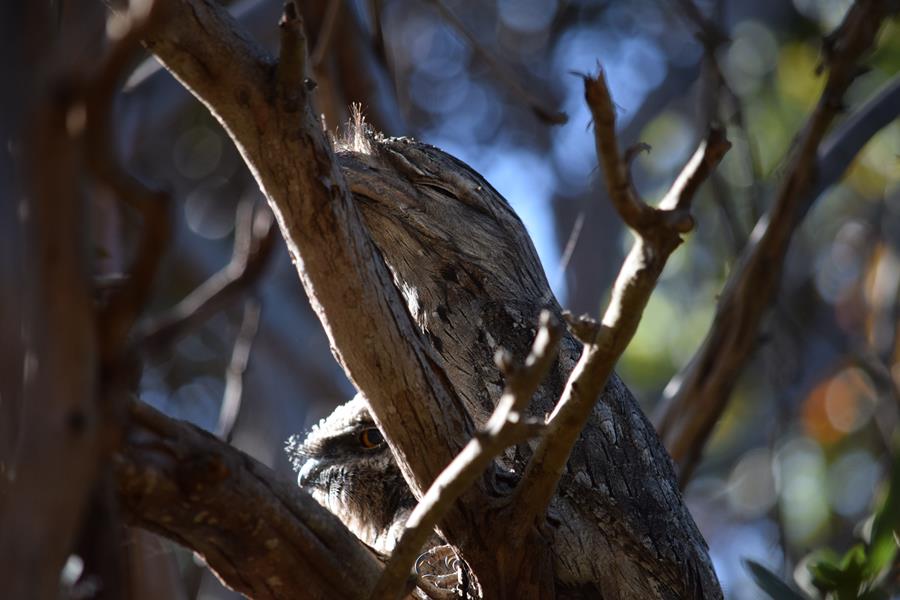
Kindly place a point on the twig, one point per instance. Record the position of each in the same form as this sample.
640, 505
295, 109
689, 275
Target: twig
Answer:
537, 106
709, 33
569, 249
125, 304
506, 427
326, 32
658, 234
234, 376
291, 69
254, 241
696, 398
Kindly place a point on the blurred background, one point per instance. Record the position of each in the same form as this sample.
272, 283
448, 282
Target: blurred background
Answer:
800, 457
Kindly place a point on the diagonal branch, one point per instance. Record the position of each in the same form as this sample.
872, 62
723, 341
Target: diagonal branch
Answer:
254, 241
507, 426
696, 398
658, 234
261, 536
232, 398
537, 106
352, 291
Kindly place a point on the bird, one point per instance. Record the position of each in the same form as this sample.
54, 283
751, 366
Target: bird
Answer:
344, 462
473, 284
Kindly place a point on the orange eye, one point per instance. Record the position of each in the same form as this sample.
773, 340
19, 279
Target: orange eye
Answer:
371, 438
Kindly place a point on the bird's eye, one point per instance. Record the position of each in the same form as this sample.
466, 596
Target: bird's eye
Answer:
371, 438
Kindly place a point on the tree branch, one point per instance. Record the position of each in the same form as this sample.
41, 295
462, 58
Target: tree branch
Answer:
658, 234
237, 367
261, 536
537, 106
350, 288
125, 303
696, 398
254, 241
507, 426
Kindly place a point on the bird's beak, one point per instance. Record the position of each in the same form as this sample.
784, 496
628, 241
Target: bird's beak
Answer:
309, 472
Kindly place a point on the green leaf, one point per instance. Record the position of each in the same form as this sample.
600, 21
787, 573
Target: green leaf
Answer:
842, 577
826, 572
771, 583
883, 545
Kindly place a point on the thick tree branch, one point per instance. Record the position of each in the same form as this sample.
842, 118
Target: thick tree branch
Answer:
658, 234
351, 290
64, 434
262, 536
697, 397
58, 434
508, 425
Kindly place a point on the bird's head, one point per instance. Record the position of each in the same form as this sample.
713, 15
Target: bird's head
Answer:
345, 463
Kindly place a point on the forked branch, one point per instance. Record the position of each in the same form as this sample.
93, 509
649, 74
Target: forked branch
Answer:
658, 231
507, 426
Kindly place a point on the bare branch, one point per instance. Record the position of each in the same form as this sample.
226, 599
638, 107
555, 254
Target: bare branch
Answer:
507, 426
708, 32
349, 286
537, 106
696, 398
325, 33
63, 435
234, 376
291, 70
658, 234
254, 241
126, 303
263, 537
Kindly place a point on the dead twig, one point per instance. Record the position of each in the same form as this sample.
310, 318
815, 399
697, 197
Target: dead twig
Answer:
658, 233
696, 398
507, 426
254, 240
537, 106
234, 376
326, 32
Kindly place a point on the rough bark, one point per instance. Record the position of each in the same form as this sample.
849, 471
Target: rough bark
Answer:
263, 537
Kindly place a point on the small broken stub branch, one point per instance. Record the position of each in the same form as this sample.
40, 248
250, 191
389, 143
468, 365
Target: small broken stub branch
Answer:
507, 426
658, 230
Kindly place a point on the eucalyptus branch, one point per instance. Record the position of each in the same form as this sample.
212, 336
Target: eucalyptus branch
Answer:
696, 398
658, 232
507, 426
263, 537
